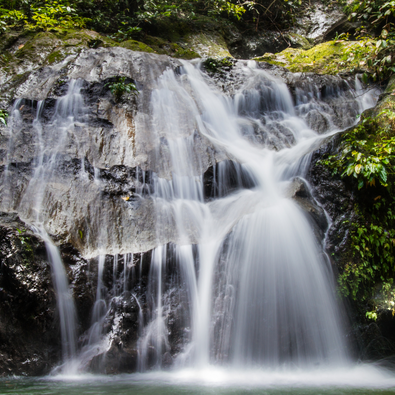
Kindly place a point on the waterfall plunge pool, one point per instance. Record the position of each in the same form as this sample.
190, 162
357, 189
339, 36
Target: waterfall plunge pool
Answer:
361, 379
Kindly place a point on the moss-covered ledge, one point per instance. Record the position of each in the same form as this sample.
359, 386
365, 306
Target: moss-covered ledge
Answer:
22, 52
331, 57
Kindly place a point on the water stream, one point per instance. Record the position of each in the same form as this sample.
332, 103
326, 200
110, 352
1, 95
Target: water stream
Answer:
246, 260
262, 294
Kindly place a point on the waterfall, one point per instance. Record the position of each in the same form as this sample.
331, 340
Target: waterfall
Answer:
263, 291
31, 203
238, 269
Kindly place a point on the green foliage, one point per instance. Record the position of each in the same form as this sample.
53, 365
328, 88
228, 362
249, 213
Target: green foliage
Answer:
3, 116
123, 19
215, 65
41, 15
120, 87
25, 241
379, 15
54, 14
126, 34
371, 315
12, 18
367, 159
373, 11
366, 154
372, 244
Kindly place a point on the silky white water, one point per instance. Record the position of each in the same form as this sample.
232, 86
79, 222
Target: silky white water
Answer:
263, 295
32, 202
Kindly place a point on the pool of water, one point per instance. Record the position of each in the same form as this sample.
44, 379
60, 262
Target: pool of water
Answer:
358, 380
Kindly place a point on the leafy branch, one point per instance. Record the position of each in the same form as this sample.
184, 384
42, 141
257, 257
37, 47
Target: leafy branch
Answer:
120, 87
3, 116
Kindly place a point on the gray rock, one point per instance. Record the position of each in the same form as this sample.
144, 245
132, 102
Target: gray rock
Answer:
317, 20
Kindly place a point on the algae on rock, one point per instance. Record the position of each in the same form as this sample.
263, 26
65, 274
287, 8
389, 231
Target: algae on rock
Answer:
331, 57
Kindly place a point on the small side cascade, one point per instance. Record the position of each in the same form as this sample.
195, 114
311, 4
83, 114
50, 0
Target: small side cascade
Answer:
64, 300
99, 307
30, 203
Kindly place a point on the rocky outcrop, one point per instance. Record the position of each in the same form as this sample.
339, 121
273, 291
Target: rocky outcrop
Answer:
317, 20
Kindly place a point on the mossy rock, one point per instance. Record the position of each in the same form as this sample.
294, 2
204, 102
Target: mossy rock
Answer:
331, 57
298, 41
182, 53
159, 45
155, 42
38, 47
8, 39
208, 45
134, 45
164, 47
390, 86
384, 111
185, 38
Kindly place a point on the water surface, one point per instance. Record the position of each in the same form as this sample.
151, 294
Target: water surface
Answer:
362, 379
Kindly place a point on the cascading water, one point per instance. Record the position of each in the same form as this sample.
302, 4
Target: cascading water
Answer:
31, 202
243, 259
262, 294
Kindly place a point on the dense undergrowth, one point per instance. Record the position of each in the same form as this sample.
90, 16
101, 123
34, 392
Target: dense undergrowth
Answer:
366, 159
126, 19
376, 17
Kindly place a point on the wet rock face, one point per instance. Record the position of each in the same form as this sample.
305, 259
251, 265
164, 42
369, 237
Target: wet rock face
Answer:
127, 313
323, 101
224, 178
317, 20
368, 340
337, 199
97, 152
29, 333
302, 195
250, 46
102, 160
99, 167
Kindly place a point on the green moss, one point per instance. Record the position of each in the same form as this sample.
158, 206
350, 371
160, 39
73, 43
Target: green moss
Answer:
384, 111
155, 42
164, 47
79, 38
136, 46
209, 44
299, 41
38, 47
331, 57
56, 56
391, 85
182, 53
5, 59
